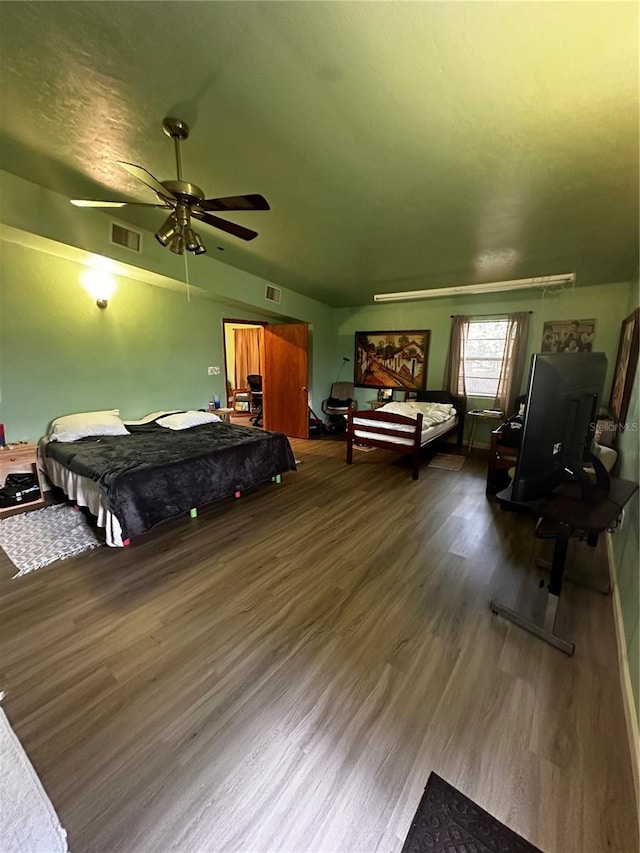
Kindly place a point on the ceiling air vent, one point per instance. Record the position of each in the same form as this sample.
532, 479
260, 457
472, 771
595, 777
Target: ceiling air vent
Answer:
273, 294
122, 236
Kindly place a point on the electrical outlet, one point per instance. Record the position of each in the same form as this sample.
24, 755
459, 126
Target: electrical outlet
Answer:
213, 371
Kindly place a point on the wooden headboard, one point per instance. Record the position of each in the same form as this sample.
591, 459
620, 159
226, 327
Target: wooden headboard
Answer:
459, 403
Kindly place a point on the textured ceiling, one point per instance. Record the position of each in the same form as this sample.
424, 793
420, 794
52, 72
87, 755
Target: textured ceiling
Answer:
401, 145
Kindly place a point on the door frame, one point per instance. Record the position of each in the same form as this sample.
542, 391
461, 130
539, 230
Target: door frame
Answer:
303, 432
231, 321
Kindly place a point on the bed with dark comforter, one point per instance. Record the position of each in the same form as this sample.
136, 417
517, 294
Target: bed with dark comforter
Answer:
157, 473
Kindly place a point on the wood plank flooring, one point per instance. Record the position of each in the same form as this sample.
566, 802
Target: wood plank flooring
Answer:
283, 673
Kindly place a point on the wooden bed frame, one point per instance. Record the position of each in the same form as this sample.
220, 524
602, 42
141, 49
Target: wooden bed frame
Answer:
384, 433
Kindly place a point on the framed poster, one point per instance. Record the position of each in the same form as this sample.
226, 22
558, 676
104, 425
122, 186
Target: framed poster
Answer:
624, 372
391, 360
568, 336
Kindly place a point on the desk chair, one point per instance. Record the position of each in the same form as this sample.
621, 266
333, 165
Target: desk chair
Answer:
337, 405
254, 381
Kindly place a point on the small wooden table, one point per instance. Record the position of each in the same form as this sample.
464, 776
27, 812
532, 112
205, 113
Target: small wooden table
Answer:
20, 459
224, 414
475, 415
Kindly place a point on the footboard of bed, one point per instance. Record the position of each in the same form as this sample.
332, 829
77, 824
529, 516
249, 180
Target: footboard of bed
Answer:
382, 429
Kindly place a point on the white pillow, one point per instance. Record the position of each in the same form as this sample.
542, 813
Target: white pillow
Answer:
183, 420
83, 424
152, 417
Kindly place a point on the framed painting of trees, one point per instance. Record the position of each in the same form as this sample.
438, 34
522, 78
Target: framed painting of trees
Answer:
391, 360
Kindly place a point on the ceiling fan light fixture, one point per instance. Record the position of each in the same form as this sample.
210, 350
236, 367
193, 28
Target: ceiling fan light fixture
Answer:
201, 250
192, 241
166, 231
177, 244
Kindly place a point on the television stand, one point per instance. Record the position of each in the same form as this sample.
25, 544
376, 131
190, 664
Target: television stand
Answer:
566, 508
548, 530
546, 631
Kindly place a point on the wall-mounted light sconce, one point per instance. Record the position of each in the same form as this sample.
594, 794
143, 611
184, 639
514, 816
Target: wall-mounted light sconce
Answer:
100, 285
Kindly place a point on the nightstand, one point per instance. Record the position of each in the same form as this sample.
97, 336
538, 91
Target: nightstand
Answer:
224, 414
20, 459
475, 415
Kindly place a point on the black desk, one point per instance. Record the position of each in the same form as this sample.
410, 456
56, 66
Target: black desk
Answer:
571, 514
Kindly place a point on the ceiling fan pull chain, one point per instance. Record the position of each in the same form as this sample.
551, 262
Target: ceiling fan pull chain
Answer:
186, 276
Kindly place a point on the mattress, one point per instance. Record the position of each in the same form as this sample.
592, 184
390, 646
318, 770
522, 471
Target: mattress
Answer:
427, 434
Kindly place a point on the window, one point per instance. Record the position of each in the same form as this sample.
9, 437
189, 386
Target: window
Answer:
487, 357
483, 354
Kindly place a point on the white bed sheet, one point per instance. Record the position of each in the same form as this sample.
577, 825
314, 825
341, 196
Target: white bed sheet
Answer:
427, 434
84, 492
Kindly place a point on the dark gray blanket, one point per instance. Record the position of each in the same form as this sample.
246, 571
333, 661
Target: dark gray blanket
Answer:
156, 473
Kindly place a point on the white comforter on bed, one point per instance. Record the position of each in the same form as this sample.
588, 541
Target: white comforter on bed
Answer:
432, 413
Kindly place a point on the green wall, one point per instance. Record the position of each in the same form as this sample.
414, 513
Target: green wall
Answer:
606, 303
626, 539
149, 349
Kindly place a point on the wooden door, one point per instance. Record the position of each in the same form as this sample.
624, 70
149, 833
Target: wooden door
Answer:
285, 377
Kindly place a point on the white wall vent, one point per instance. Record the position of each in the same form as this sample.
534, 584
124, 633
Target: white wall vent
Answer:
273, 294
127, 237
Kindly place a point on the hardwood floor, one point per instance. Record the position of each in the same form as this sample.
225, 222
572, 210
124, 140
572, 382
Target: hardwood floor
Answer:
283, 673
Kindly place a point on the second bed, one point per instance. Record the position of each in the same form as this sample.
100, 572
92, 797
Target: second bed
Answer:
407, 427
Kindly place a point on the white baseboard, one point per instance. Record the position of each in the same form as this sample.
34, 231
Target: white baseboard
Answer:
630, 712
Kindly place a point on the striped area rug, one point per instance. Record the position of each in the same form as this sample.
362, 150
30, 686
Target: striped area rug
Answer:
34, 539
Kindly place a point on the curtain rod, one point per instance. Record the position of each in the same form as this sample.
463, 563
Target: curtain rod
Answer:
498, 314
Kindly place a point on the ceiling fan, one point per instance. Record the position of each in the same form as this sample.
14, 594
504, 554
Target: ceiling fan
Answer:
185, 200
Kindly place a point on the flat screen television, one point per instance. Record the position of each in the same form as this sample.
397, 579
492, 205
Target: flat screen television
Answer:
559, 425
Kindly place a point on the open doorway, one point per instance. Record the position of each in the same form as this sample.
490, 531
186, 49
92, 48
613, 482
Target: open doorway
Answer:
243, 357
278, 354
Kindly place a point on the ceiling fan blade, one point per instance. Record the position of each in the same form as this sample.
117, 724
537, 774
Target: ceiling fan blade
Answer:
94, 202
254, 201
230, 227
148, 179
